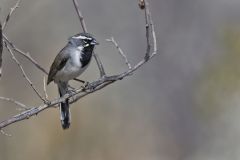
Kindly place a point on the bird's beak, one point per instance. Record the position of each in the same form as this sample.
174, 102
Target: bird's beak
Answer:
94, 42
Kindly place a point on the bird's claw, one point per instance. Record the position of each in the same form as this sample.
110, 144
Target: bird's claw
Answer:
47, 102
71, 91
88, 86
85, 86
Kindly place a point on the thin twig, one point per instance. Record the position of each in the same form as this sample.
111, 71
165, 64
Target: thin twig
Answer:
44, 88
120, 51
2, 27
9, 14
153, 35
24, 74
99, 64
21, 105
25, 54
82, 22
1, 49
147, 13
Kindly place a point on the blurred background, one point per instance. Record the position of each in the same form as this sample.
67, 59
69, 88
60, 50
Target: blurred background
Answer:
182, 105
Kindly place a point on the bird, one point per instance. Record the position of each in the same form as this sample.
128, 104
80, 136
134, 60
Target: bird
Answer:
70, 63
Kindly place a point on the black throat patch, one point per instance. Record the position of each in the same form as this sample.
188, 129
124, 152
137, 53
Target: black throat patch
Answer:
87, 55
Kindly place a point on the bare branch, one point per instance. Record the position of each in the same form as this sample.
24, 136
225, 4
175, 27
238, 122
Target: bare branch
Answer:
153, 35
44, 88
74, 96
147, 13
9, 14
24, 74
82, 22
25, 54
1, 49
120, 51
94, 86
99, 64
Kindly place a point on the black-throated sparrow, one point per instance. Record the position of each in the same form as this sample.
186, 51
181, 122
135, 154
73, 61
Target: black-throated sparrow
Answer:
70, 62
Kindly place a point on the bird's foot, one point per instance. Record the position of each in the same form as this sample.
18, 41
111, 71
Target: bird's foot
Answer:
88, 86
71, 91
47, 102
85, 86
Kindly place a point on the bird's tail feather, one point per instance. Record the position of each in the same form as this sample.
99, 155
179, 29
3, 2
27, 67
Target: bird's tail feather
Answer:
64, 107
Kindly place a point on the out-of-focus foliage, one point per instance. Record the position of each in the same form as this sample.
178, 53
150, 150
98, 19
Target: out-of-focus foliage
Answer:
218, 100
221, 79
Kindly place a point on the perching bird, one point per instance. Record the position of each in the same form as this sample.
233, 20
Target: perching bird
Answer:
70, 62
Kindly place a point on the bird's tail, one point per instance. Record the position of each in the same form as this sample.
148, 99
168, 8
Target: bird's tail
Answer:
64, 107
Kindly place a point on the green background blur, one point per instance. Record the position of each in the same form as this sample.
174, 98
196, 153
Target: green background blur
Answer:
182, 105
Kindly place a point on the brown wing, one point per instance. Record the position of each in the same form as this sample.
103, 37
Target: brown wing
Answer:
59, 62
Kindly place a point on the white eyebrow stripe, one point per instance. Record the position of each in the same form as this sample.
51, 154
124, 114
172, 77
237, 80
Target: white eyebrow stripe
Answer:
83, 37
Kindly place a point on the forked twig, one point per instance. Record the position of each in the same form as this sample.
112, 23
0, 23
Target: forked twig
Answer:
2, 27
9, 14
24, 54
24, 74
120, 51
44, 88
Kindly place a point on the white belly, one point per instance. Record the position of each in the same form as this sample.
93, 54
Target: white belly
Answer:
71, 70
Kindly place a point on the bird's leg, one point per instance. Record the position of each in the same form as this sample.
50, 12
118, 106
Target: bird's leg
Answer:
70, 87
85, 83
88, 86
79, 80
71, 90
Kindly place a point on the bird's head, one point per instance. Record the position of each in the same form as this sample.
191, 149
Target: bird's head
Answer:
83, 39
